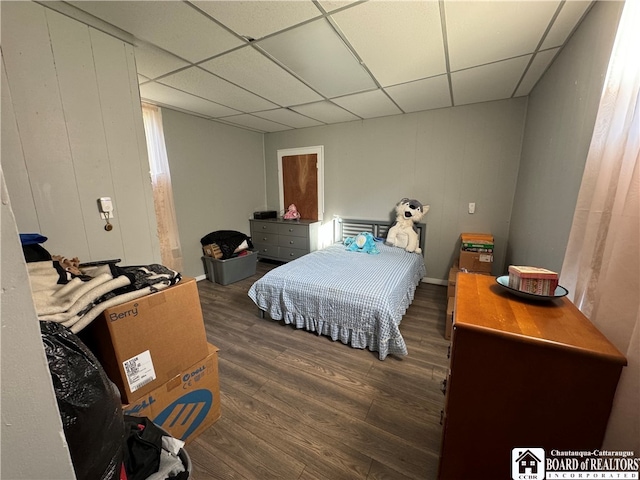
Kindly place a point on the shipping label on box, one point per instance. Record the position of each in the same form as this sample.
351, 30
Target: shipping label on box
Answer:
139, 370
187, 404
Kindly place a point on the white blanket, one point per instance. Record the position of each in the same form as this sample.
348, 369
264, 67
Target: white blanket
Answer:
74, 301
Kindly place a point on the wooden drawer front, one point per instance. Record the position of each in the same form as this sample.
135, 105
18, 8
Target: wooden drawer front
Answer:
294, 230
264, 238
287, 254
267, 250
263, 227
294, 242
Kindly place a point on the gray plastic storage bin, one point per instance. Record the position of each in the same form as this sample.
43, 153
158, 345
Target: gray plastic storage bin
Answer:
230, 270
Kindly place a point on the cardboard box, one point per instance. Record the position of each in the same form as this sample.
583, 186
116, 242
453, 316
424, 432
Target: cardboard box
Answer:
449, 320
477, 242
188, 403
453, 276
212, 250
476, 252
146, 342
476, 262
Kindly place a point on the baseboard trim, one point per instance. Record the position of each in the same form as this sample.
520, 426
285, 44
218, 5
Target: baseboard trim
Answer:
435, 281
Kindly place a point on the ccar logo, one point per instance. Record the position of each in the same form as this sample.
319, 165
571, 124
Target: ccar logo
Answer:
527, 463
185, 415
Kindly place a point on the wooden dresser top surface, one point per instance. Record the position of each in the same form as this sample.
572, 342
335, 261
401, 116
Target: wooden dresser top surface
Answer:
482, 304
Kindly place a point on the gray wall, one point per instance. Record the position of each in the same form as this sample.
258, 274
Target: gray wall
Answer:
31, 425
217, 174
560, 119
72, 132
445, 158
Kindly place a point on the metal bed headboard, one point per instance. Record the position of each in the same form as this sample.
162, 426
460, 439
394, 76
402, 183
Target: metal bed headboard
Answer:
352, 227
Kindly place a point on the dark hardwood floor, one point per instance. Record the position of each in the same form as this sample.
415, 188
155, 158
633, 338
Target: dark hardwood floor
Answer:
299, 406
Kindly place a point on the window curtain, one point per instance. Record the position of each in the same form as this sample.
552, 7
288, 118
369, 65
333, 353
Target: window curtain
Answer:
170, 250
601, 267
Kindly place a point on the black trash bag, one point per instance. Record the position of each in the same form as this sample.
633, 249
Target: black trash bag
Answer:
227, 240
89, 405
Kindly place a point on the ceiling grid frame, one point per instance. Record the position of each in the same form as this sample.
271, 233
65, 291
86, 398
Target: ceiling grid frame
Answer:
263, 25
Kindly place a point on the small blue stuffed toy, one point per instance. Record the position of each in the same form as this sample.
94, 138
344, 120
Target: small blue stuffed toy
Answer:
363, 242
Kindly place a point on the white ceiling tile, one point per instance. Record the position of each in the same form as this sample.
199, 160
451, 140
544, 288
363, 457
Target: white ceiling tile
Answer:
325, 112
173, 26
319, 56
368, 104
570, 14
203, 84
488, 82
252, 70
153, 62
398, 41
538, 66
331, 5
258, 18
288, 117
299, 61
426, 94
256, 123
156, 92
480, 32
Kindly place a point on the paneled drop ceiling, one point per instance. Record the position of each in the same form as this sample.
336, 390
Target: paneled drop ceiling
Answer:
278, 65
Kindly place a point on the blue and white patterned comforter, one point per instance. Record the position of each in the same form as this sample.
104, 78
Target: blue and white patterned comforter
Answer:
353, 297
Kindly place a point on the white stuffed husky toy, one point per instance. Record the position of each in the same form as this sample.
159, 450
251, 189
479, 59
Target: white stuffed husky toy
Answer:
402, 233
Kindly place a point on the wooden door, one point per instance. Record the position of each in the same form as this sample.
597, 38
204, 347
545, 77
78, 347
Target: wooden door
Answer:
300, 184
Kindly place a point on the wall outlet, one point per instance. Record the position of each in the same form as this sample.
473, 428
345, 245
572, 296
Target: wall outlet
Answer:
472, 208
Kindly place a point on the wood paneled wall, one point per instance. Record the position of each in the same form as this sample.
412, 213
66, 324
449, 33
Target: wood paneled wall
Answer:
72, 132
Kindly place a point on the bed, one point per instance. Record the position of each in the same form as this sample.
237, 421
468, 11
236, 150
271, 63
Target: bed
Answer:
354, 297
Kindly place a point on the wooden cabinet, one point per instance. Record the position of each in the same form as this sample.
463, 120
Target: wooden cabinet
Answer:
522, 374
284, 240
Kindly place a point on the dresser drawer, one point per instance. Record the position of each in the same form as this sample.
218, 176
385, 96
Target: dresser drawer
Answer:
265, 238
263, 227
284, 240
265, 250
294, 242
287, 254
294, 230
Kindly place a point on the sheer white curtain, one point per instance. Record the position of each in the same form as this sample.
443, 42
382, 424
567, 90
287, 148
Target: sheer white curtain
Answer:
170, 250
601, 268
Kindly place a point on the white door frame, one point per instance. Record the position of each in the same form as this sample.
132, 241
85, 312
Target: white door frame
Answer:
319, 151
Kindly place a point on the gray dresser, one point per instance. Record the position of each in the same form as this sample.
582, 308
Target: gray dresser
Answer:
284, 240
